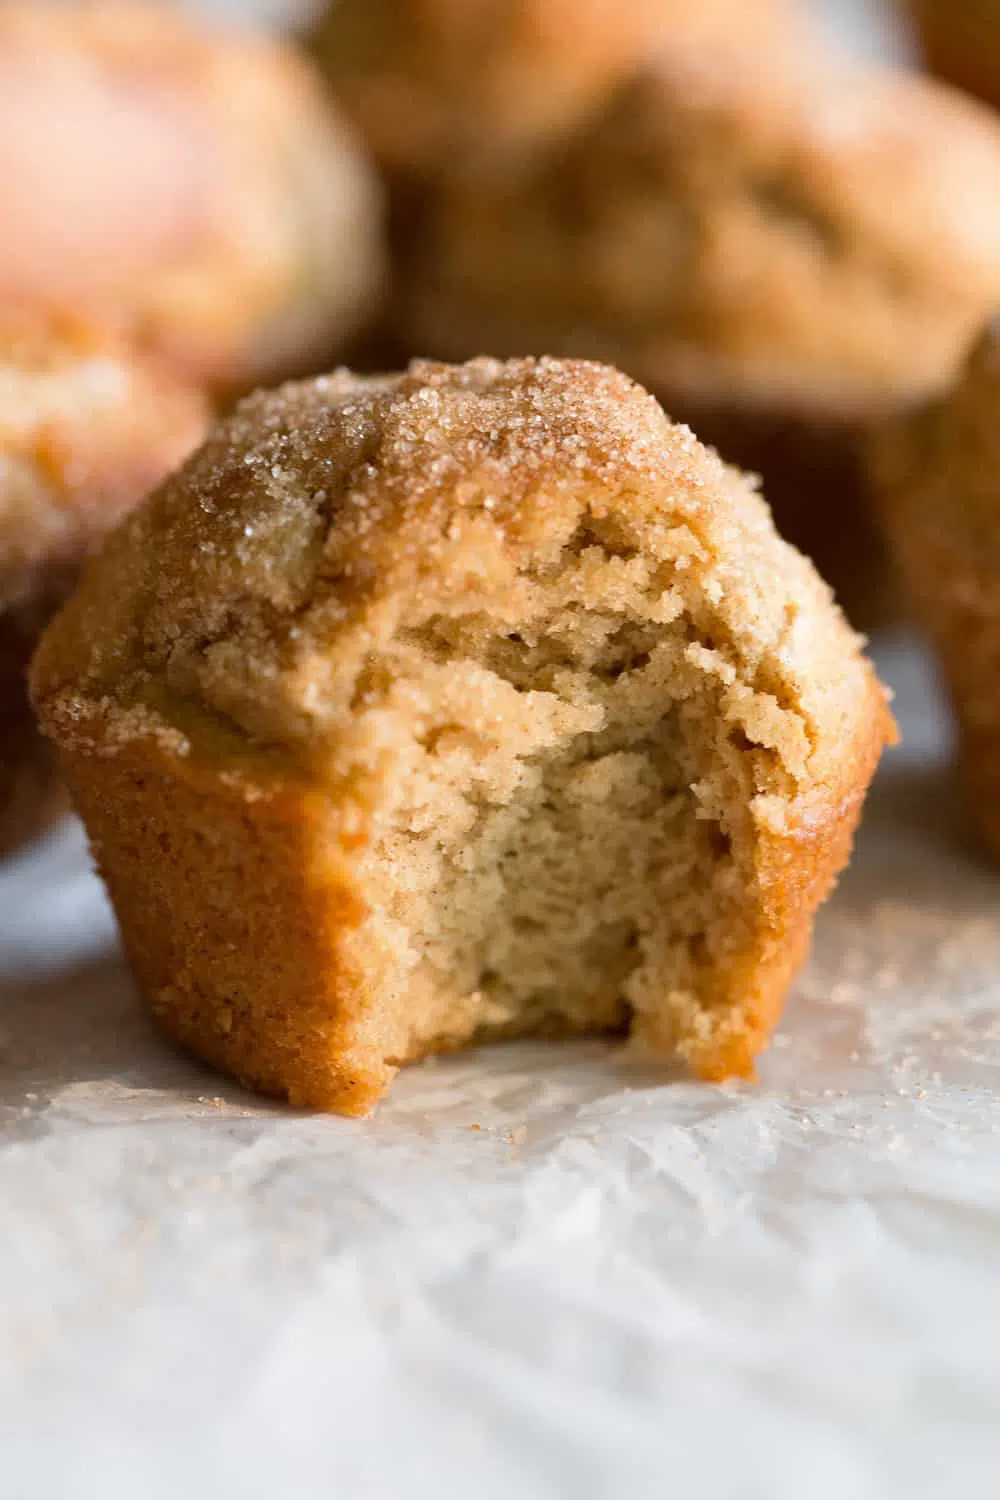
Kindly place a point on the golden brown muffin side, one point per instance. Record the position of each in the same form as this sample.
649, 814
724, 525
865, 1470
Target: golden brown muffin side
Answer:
232, 921
936, 474
197, 187
403, 634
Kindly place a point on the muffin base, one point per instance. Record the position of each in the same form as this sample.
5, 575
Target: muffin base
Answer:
231, 931
234, 917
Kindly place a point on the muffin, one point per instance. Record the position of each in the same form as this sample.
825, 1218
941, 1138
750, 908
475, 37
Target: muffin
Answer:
194, 186
781, 244
936, 473
961, 42
85, 430
466, 703
434, 84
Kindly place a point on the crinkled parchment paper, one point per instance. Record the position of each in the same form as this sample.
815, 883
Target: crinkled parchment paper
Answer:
536, 1272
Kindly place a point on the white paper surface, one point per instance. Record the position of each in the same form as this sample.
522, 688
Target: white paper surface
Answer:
535, 1273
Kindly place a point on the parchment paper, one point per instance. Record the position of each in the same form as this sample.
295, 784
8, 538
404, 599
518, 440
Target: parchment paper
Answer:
536, 1272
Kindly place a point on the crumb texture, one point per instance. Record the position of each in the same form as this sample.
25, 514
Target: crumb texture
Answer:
517, 678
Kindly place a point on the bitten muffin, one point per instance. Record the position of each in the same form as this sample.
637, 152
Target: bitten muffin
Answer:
433, 84
85, 430
781, 244
195, 185
937, 477
961, 42
464, 703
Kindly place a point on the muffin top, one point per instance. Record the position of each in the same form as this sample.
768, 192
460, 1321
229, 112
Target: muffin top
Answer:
758, 225
433, 83
325, 521
193, 186
86, 428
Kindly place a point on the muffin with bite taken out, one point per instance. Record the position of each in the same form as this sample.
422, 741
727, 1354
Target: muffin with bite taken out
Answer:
466, 703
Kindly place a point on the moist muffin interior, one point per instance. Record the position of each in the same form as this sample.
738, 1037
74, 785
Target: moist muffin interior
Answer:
550, 795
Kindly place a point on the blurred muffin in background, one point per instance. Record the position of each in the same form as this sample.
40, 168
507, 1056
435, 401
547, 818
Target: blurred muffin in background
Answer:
439, 88
936, 474
438, 84
961, 42
194, 186
85, 430
781, 244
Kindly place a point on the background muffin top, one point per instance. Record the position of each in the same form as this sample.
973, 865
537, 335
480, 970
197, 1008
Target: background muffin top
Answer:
195, 187
435, 82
